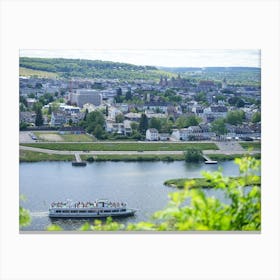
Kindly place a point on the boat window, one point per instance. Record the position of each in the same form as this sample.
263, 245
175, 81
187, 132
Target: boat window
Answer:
65, 211
58, 211
74, 211
122, 210
82, 211
107, 211
115, 211
91, 211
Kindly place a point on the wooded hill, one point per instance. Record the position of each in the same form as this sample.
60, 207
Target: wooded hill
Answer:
92, 68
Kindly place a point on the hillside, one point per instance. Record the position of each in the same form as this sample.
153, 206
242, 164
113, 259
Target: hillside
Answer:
91, 69
31, 72
233, 75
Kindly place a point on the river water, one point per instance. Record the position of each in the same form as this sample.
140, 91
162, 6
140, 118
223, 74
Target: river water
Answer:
140, 184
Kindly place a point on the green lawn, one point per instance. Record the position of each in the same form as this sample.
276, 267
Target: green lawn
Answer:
251, 145
30, 156
77, 138
42, 74
123, 146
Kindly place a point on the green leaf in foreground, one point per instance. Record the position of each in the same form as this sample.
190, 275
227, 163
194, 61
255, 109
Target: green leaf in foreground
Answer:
24, 217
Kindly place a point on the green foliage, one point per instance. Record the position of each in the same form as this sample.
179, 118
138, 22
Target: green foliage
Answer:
119, 118
24, 214
98, 131
204, 183
143, 124
256, 117
128, 95
54, 227
39, 117
94, 123
218, 126
186, 121
200, 97
24, 217
193, 155
155, 123
235, 117
23, 125
68, 68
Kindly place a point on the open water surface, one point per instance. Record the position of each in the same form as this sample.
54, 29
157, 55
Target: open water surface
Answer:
140, 184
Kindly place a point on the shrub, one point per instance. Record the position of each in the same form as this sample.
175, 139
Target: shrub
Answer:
192, 155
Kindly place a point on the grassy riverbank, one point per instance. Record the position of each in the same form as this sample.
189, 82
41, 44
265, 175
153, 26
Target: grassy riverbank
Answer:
30, 156
203, 183
251, 145
132, 158
123, 146
223, 157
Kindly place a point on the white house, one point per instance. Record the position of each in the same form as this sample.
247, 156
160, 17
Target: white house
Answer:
180, 134
152, 134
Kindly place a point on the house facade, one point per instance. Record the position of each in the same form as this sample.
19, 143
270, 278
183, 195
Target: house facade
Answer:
152, 134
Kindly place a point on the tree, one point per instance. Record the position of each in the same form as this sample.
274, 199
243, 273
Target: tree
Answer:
92, 120
143, 124
23, 125
119, 118
98, 131
128, 95
256, 117
50, 110
86, 113
200, 97
235, 117
240, 103
70, 122
155, 123
134, 126
39, 117
186, 121
218, 126
192, 155
118, 97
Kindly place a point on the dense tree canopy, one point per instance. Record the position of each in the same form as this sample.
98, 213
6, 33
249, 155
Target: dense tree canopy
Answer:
218, 126
235, 117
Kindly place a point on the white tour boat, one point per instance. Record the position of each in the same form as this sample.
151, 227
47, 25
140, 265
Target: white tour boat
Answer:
100, 208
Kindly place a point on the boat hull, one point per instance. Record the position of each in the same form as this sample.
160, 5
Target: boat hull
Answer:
97, 214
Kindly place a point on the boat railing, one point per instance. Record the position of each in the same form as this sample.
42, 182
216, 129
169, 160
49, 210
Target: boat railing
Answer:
96, 204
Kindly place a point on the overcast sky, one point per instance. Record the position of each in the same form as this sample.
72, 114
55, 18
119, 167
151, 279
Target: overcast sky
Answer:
170, 58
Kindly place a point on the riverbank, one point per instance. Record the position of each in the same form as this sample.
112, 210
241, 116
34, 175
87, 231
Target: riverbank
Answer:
203, 183
33, 156
139, 146
30, 156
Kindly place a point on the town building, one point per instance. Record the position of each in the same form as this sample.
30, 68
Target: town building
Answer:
83, 96
152, 134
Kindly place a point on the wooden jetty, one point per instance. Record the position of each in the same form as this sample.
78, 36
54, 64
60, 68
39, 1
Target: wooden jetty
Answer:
79, 161
208, 160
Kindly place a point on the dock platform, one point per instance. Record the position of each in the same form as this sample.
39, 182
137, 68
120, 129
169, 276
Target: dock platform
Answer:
79, 161
208, 160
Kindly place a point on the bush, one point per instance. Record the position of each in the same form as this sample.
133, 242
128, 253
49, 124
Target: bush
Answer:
193, 155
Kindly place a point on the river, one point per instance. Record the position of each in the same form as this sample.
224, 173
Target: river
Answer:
140, 184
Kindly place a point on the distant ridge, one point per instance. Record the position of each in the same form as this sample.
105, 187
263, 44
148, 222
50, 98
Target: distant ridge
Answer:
84, 68
207, 69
